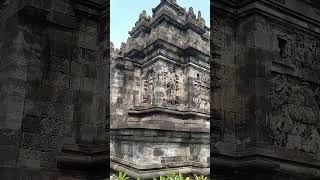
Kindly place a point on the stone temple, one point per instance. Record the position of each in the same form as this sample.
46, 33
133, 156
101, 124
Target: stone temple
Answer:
160, 102
238, 101
265, 106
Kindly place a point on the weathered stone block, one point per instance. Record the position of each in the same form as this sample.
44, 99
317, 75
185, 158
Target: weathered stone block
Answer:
57, 79
59, 64
31, 124
89, 70
76, 68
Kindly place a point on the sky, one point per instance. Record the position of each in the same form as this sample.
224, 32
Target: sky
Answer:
125, 13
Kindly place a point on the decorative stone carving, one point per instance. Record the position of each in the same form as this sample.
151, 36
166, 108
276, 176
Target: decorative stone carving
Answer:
160, 63
149, 84
216, 32
202, 98
3, 5
299, 45
312, 52
172, 1
143, 18
143, 14
200, 19
295, 115
202, 91
171, 84
191, 13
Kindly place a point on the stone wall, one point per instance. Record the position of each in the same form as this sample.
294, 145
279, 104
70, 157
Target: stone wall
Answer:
54, 77
269, 58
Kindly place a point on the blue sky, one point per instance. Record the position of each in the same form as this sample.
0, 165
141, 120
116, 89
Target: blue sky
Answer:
124, 13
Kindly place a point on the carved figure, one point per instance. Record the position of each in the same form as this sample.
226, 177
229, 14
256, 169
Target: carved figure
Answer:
148, 95
295, 115
171, 84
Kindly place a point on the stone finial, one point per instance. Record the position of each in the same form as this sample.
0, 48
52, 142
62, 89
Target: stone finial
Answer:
3, 4
200, 19
170, 1
123, 47
191, 10
173, 1
191, 13
143, 17
143, 14
199, 14
111, 46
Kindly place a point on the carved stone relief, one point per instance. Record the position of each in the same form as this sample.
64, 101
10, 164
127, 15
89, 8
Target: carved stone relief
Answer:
201, 97
202, 91
216, 33
296, 50
312, 51
294, 120
3, 5
307, 52
166, 81
149, 85
171, 85
299, 48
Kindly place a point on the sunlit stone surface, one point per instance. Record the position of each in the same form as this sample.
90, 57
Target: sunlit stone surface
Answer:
160, 85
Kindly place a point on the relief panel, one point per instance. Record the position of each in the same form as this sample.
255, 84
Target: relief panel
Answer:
202, 91
148, 79
294, 120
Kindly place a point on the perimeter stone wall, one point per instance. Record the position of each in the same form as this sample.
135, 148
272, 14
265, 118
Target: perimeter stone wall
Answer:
267, 127
53, 89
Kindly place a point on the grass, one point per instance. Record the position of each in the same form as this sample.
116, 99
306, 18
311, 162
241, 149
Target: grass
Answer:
172, 175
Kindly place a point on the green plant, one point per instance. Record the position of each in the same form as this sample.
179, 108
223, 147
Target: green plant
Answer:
121, 176
172, 175
161, 178
202, 177
180, 177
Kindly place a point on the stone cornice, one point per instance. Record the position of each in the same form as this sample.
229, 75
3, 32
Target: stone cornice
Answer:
187, 64
176, 7
160, 110
161, 44
270, 9
147, 26
93, 9
84, 157
93, 4
160, 135
178, 17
